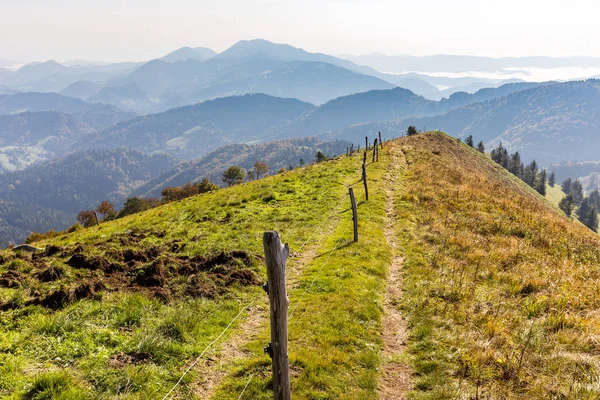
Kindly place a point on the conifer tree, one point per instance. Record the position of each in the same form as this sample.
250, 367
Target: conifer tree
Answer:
566, 205
591, 219
577, 191
481, 147
583, 210
500, 155
515, 165
540, 184
566, 185
552, 179
595, 198
469, 140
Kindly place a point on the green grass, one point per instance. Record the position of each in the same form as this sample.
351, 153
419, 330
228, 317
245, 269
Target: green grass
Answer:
554, 194
93, 343
335, 332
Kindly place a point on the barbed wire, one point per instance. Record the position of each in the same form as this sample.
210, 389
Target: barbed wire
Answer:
208, 347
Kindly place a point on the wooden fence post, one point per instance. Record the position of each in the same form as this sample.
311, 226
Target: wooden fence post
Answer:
347, 151
365, 158
275, 257
366, 143
374, 149
97, 220
364, 178
377, 154
380, 141
354, 213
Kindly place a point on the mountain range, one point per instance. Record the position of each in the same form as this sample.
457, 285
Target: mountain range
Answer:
190, 75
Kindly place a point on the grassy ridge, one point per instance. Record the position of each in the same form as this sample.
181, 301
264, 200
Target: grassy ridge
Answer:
335, 332
500, 288
130, 340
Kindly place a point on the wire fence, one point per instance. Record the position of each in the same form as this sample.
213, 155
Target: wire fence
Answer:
317, 231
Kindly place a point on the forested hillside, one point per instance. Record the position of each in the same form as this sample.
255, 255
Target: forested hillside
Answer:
192, 131
59, 189
276, 156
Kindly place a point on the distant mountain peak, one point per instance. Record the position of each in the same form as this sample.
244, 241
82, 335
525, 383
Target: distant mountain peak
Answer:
185, 53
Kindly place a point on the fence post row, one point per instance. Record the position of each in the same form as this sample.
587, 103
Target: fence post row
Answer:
364, 179
354, 213
275, 256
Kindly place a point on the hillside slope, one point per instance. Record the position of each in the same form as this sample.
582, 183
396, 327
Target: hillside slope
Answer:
493, 281
191, 131
277, 155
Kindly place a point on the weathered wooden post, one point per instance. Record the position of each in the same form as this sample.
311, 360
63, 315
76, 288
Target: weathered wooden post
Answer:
347, 151
275, 257
366, 143
354, 213
97, 220
365, 158
352, 148
374, 149
377, 154
364, 178
380, 141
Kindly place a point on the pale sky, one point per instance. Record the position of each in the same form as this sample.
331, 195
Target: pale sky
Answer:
136, 30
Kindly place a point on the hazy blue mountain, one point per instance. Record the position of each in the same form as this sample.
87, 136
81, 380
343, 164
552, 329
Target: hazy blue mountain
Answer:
551, 123
246, 67
314, 82
260, 48
51, 76
34, 72
192, 131
81, 89
459, 99
277, 154
129, 97
375, 105
54, 131
56, 190
98, 116
185, 53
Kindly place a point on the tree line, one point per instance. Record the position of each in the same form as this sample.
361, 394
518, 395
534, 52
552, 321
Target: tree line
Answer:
575, 201
585, 207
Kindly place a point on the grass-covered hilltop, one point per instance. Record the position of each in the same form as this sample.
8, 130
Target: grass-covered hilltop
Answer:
465, 283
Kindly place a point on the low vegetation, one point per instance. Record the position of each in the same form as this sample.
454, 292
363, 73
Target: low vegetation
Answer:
498, 289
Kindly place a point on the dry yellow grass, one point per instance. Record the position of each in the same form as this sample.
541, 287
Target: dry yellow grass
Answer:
501, 289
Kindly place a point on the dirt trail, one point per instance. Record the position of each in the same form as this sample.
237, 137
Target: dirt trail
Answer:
395, 379
213, 369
